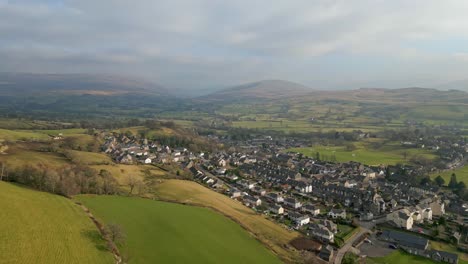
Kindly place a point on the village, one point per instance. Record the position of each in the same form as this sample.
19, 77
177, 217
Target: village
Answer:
341, 206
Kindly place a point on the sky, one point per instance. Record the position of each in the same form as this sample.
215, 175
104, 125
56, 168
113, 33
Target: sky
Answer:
206, 44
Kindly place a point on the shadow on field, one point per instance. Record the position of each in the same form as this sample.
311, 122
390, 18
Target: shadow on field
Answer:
95, 237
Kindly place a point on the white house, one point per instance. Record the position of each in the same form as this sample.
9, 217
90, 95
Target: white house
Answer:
148, 161
311, 209
293, 203
337, 213
252, 200
276, 209
401, 218
275, 197
299, 219
321, 233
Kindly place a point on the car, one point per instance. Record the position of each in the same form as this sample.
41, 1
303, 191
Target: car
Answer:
368, 241
392, 246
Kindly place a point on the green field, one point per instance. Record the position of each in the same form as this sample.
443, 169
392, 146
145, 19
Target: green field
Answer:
400, 257
387, 154
38, 227
161, 232
462, 174
276, 237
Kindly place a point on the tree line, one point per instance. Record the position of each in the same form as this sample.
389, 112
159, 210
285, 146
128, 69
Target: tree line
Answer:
67, 180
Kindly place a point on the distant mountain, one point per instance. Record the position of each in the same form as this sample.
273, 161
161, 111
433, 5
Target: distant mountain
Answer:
26, 84
267, 89
454, 85
389, 96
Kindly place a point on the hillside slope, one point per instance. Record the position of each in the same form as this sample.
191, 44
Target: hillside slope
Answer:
21, 84
267, 89
38, 227
160, 232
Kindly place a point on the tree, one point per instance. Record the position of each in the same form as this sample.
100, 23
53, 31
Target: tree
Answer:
2, 171
116, 233
461, 185
317, 155
132, 181
405, 154
453, 181
426, 180
439, 181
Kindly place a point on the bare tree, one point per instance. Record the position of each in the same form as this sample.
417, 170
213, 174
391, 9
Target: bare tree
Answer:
132, 182
116, 233
2, 171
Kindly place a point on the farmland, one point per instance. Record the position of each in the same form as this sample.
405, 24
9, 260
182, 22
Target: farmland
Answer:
400, 258
462, 174
269, 233
388, 154
161, 232
47, 229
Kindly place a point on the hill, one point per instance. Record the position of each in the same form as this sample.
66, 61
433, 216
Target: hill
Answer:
44, 228
20, 84
73, 96
267, 89
161, 232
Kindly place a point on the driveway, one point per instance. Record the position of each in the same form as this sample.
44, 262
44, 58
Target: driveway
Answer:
342, 251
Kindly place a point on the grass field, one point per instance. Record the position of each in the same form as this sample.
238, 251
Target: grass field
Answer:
14, 135
88, 158
390, 154
38, 227
450, 248
20, 154
400, 257
268, 232
161, 232
462, 174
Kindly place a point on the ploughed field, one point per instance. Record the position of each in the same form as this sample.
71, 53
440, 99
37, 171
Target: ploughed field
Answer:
161, 232
38, 227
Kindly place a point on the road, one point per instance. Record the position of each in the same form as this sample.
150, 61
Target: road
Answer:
340, 254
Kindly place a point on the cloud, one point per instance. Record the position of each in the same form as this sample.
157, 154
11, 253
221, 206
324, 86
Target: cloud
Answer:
202, 43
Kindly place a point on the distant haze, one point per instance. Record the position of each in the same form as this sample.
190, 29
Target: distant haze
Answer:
199, 46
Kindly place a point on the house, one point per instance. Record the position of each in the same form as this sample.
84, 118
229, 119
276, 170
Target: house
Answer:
442, 256
401, 218
299, 219
311, 209
321, 233
367, 216
235, 193
337, 213
259, 191
276, 209
350, 184
252, 200
326, 253
404, 240
275, 197
222, 162
330, 225
148, 161
293, 203
247, 184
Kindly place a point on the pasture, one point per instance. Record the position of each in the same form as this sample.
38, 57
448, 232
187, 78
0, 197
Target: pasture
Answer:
39, 227
161, 232
462, 174
269, 233
400, 257
389, 154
